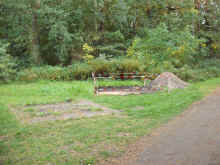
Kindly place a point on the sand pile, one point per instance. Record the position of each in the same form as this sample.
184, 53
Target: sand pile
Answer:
167, 80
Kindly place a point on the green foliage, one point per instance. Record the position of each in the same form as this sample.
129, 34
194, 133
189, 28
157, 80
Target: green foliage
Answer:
7, 65
45, 73
54, 32
111, 44
101, 65
209, 23
127, 65
205, 69
88, 50
60, 41
80, 71
163, 47
115, 65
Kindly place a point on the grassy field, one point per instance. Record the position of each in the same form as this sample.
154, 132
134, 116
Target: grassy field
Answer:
84, 140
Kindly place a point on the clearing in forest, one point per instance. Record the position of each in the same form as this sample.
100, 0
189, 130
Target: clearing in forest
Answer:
46, 123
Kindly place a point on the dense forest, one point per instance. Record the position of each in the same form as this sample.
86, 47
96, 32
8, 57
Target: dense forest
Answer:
68, 39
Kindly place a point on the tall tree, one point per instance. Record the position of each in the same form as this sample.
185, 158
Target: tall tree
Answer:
34, 33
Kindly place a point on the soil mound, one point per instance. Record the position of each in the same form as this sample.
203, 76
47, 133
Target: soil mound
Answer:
168, 80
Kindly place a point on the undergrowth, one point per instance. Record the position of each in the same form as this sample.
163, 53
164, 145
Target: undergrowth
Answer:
201, 71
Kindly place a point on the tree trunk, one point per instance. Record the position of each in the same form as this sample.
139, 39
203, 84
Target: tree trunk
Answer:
34, 34
95, 19
198, 7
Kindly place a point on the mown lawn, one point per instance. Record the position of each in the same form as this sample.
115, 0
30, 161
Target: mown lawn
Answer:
85, 140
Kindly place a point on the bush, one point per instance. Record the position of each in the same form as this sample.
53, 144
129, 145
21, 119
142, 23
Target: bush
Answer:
117, 65
81, 71
205, 69
45, 73
101, 65
160, 44
7, 65
127, 65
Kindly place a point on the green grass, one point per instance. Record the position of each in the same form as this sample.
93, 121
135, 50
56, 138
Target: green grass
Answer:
119, 83
44, 92
85, 140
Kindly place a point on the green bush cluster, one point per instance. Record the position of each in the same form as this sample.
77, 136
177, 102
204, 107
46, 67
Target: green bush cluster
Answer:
161, 48
7, 64
205, 69
45, 73
80, 71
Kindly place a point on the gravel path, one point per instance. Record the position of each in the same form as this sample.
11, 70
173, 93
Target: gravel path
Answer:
193, 138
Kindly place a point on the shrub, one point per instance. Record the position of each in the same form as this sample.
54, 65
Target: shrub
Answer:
205, 69
88, 50
7, 64
45, 73
127, 65
81, 71
160, 44
101, 65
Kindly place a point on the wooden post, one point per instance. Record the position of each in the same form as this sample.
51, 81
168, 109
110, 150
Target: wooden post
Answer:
94, 80
145, 82
169, 85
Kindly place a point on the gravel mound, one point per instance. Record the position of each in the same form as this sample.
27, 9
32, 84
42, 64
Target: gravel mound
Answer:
168, 80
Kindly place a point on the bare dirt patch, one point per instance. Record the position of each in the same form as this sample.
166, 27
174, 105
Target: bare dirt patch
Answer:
62, 111
125, 90
3, 138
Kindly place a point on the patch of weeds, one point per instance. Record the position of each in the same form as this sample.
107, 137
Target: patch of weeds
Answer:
29, 110
82, 148
106, 154
113, 113
88, 161
96, 109
55, 113
42, 114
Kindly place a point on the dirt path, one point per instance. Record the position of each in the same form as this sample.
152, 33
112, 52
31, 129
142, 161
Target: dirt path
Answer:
191, 139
